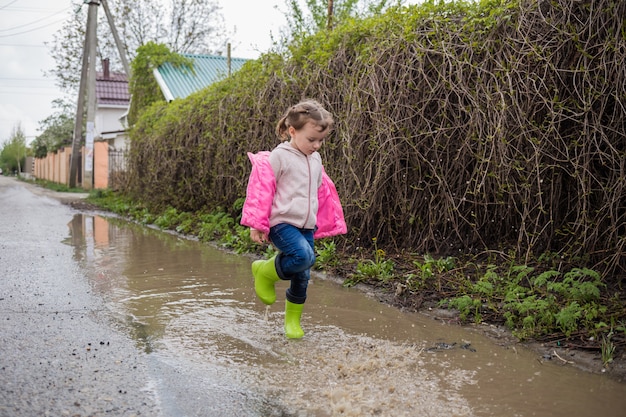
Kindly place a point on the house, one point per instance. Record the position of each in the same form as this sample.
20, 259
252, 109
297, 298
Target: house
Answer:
112, 103
179, 82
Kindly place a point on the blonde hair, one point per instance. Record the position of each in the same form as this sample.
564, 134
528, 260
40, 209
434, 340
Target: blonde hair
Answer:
302, 113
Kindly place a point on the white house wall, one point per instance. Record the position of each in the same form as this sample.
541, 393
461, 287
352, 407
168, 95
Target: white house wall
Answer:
108, 119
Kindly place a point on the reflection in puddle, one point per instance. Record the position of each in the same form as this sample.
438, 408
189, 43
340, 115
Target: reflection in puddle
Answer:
193, 307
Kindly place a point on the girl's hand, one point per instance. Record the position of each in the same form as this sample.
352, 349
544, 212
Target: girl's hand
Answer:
258, 236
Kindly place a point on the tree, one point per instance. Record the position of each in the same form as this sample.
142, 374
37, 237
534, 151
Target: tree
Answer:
185, 26
143, 85
326, 14
57, 130
14, 151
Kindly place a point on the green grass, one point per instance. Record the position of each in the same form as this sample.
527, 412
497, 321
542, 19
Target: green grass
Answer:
54, 186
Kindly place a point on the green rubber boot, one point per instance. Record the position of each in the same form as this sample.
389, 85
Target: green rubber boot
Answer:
265, 276
293, 312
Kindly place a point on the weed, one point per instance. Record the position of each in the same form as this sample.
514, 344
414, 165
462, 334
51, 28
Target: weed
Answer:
432, 267
238, 239
326, 255
607, 349
54, 186
187, 224
168, 219
467, 306
215, 225
270, 251
142, 215
534, 305
378, 268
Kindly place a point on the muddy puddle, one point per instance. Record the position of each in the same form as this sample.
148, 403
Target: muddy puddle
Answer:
192, 308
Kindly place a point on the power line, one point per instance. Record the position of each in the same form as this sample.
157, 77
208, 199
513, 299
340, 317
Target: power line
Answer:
17, 90
34, 87
23, 45
25, 83
28, 10
34, 21
26, 79
32, 30
8, 4
32, 93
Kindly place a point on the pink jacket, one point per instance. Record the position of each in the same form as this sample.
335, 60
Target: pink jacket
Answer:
260, 194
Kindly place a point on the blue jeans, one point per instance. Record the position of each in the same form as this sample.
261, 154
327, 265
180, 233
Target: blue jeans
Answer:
295, 259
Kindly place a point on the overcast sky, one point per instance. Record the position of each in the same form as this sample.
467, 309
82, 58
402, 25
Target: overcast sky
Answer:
26, 94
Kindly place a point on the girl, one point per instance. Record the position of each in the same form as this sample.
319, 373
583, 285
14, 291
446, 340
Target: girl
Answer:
290, 201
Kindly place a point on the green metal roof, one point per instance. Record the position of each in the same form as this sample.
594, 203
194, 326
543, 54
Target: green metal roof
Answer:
179, 82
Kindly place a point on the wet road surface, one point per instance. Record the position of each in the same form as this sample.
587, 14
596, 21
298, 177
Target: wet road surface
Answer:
61, 351
104, 317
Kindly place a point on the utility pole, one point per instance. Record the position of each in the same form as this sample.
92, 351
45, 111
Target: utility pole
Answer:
331, 7
87, 88
118, 42
91, 95
228, 59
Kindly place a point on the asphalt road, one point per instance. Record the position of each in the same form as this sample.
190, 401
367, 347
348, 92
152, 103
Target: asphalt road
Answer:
63, 353
59, 353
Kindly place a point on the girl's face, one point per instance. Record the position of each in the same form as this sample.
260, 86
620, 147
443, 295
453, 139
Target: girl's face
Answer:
307, 140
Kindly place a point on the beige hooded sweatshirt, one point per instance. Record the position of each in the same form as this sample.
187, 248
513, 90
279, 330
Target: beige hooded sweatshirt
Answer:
298, 178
